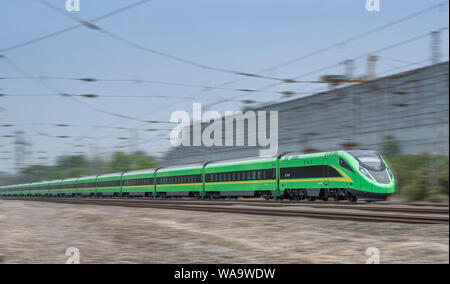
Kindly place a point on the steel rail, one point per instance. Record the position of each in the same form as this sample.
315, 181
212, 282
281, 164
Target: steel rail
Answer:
351, 216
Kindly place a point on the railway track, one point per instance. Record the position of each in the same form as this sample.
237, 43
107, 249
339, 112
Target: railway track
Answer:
227, 207
398, 208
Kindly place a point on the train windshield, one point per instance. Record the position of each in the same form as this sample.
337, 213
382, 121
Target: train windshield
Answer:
368, 159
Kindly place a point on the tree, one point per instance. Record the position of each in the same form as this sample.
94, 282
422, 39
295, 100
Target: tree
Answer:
390, 146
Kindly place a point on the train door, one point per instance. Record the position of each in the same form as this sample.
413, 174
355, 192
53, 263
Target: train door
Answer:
326, 169
277, 176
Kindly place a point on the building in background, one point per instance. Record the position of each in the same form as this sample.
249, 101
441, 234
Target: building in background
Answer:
406, 112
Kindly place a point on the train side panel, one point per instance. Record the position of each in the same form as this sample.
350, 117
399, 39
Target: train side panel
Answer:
139, 183
255, 177
109, 184
182, 181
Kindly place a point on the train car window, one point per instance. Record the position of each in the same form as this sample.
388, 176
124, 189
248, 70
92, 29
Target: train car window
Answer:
259, 175
331, 172
308, 172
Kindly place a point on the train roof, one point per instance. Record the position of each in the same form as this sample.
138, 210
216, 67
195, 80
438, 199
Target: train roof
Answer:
181, 168
111, 175
87, 178
69, 179
139, 172
249, 160
295, 156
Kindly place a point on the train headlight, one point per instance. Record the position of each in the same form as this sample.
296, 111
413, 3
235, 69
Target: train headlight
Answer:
364, 172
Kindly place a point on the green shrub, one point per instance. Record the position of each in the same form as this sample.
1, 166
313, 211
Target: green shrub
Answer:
421, 177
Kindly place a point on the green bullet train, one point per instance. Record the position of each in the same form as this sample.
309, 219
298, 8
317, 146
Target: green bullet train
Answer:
357, 175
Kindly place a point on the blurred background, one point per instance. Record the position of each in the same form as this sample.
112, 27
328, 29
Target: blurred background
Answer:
92, 92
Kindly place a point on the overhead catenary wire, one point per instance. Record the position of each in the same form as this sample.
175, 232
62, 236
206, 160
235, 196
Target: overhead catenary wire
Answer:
335, 45
394, 45
69, 96
406, 18
206, 89
62, 31
388, 47
317, 52
135, 45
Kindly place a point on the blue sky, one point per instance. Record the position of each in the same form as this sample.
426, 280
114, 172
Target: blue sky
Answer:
247, 36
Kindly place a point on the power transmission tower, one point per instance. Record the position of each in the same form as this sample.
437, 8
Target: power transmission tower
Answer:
20, 150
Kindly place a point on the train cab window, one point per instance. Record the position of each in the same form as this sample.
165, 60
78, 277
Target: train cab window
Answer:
344, 164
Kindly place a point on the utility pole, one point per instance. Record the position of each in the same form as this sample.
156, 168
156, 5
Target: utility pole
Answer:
435, 47
371, 67
349, 68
